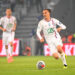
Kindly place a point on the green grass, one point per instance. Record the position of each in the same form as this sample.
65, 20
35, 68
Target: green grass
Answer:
24, 65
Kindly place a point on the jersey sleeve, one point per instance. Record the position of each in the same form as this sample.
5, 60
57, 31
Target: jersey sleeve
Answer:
1, 21
39, 29
15, 21
57, 22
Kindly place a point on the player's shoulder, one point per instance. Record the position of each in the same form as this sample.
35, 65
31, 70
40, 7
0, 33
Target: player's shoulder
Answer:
13, 17
2, 18
54, 19
41, 21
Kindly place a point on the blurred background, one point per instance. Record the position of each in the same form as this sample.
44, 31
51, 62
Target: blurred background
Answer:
28, 14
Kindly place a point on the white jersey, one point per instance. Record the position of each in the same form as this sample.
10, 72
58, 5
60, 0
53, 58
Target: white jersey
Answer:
52, 37
8, 23
49, 28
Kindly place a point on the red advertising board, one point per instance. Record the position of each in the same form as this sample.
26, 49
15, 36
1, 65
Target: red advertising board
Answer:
69, 49
15, 49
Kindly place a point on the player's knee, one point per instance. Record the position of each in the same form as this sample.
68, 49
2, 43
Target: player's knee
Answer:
59, 48
11, 44
60, 51
6, 46
56, 57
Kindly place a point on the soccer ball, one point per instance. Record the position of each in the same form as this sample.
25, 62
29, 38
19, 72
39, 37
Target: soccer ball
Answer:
40, 65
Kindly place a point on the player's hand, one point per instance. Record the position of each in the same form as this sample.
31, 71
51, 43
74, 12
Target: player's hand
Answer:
59, 29
4, 30
42, 40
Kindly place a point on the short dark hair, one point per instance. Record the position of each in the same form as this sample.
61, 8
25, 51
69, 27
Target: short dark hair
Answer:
8, 8
49, 10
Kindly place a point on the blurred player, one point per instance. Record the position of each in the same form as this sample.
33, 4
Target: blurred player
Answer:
8, 26
52, 37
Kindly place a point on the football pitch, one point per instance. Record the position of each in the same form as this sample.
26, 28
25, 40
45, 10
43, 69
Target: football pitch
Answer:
24, 65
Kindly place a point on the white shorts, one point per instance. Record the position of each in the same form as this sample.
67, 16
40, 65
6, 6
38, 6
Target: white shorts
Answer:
53, 43
8, 37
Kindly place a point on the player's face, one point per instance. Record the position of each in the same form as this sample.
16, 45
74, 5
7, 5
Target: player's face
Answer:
8, 12
46, 14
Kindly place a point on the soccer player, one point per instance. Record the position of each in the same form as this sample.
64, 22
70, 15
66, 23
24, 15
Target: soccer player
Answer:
8, 26
52, 37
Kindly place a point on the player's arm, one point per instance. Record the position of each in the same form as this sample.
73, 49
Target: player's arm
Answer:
1, 28
14, 27
39, 29
61, 25
59, 29
15, 23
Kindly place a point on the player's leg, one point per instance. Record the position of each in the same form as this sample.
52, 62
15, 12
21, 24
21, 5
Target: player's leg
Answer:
11, 39
6, 47
59, 49
53, 50
58, 44
10, 59
5, 43
11, 47
55, 55
62, 54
